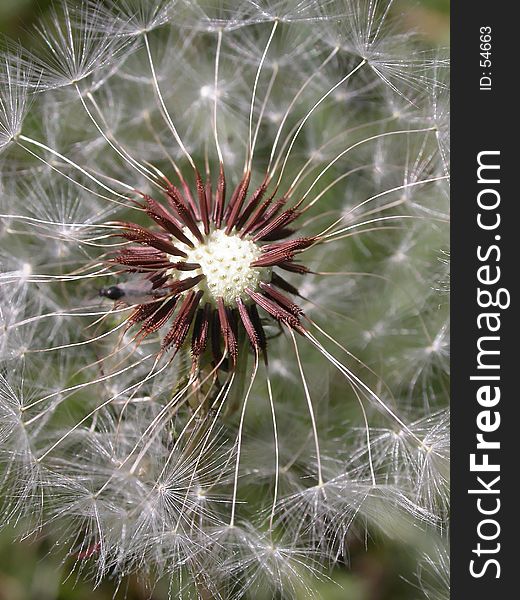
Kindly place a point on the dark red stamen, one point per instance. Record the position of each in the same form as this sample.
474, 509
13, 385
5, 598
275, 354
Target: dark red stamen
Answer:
257, 324
182, 322
167, 221
187, 193
141, 258
256, 338
143, 311
293, 267
277, 224
282, 300
215, 337
201, 326
227, 330
253, 202
185, 213
177, 287
279, 234
135, 233
274, 254
269, 214
156, 320
203, 202
276, 311
257, 216
218, 210
237, 201
184, 266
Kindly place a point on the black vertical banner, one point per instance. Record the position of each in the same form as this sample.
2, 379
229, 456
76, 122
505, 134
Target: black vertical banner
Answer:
485, 325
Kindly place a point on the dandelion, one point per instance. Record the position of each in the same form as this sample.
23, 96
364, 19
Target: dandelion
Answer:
223, 345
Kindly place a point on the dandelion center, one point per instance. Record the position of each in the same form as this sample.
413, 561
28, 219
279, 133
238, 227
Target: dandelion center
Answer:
225, 261
211, 263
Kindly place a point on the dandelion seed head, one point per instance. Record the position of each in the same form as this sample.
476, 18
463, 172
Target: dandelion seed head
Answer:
126, 18
222, 347
14, 99
69, 52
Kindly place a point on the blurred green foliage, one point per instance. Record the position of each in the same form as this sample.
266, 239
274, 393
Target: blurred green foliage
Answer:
17, 15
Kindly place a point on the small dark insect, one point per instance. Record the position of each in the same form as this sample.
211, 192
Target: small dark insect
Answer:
136, 290
114, 292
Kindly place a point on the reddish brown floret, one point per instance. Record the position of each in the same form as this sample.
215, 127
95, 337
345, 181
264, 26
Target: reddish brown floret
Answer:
182, 225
